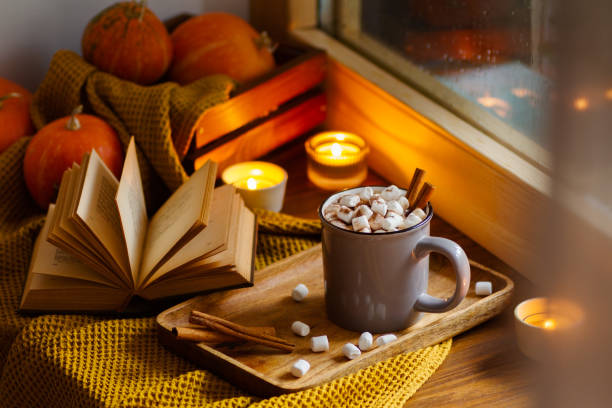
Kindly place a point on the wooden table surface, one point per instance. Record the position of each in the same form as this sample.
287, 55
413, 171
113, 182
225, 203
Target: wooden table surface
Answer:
484, 367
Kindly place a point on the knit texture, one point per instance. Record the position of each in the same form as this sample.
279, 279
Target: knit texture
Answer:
96, 361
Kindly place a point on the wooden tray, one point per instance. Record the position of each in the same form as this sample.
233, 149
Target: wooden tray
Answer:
265, 372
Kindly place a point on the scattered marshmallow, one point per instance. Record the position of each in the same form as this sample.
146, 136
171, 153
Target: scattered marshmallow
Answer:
385, 339
403, 201
379, 206
331, 209
345, 214
484, 288
340, 224
360, 223
364, 210
365, 341
300, 328
375, 197
376, 222
319, 344
391, 193
300, 367
392, 222
419, 213
366, 193
365, 230
351, 351
380, 231
350, 200
299, 292
395, 207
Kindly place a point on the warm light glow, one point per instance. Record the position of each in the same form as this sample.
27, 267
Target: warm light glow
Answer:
498, 105
340, 137
549, 324
251, 183
336, 150
608, 93
523, 93
256, 172
581, 104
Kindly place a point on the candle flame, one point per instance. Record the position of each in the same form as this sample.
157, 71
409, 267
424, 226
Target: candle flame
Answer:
256, 172
340, 137
336, 149
251, 183
550, 324
581, 104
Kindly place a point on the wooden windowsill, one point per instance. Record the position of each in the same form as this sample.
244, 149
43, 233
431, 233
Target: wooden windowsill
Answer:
484, 367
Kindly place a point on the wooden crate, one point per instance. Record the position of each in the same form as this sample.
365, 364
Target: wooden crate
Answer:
264, 114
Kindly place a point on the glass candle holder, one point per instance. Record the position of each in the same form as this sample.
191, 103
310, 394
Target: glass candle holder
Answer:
336, 160
261, 184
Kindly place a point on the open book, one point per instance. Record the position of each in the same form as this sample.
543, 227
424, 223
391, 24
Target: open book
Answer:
97, 248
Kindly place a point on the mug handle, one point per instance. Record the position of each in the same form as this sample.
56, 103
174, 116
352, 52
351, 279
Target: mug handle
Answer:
461, 265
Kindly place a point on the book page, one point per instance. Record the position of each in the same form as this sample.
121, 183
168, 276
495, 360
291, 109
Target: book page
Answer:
181, 217
214, 236
132, 209
48, 259
97, 210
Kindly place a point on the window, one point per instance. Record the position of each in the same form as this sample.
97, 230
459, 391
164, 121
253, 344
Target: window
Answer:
484, 60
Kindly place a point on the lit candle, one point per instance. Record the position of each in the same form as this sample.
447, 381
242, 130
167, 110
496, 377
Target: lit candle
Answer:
261, 184
336, 160
539, 321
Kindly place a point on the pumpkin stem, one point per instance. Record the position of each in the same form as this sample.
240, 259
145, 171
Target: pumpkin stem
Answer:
8, 96
73, 123
264, 41
143, 4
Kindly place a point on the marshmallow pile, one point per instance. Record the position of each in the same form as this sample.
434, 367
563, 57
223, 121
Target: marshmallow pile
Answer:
371, 212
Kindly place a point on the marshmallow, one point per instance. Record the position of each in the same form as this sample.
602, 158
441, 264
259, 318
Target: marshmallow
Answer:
375, 197
365, 341
391, 222
319, 343
410, 221
484, 288
403, 201
300, 367
299, 328
366, 230
330, 217
391, 193
379, 206
350, 200
299, 292
360, 222
419, 213
339, 224
363, 210
350, 351
331, 209
385, 339
376, 222
395, 207
380, 231
345, 214
366, 193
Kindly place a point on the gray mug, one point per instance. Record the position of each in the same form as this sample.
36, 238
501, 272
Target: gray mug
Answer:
378, 282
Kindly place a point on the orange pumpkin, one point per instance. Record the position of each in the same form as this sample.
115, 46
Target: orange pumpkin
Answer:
129, 41
62, 142
219, 43
14, 113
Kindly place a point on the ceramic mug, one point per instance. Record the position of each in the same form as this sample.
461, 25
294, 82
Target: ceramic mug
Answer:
378, 282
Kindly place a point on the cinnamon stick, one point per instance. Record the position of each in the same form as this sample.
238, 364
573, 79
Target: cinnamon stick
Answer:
241, 332
422, 198
414, 184
212, 337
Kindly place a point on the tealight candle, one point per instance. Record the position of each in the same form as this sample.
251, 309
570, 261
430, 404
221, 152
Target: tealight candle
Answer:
336, 160
261, 184
539, 321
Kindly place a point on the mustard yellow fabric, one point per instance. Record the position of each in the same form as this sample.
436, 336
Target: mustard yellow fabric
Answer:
97, 361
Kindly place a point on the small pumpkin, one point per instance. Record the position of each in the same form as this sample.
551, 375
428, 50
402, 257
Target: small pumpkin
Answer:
62, 142
15, 119
219, 43
129, 41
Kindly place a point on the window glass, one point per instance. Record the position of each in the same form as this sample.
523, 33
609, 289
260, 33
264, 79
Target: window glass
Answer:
486, 54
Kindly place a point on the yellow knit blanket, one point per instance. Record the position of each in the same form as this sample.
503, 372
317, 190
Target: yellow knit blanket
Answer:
96, 361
